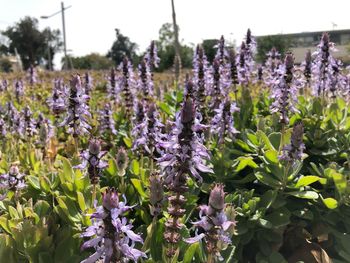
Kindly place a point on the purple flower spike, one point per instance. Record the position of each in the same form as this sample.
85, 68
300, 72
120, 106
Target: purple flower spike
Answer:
107, 123
27, 127
202, 79
185, 156
32, 75
88, 85
92, 158
57, 102
214, 222
13, 180
325, 69
19, 89
126, 85
293, 151
113, 238
222, 122
285, 90
78, 111
112, 87
245, 59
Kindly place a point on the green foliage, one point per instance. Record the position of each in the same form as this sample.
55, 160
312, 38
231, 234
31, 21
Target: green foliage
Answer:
121, 47
209, 48
266, 43
5, 65
93, 61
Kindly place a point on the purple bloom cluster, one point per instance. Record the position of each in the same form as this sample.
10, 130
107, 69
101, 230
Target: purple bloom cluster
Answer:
107, 124
32, 75
19, 89
126, 84
144, 83
156, 194
112, 88
245, 59
45, 129
272, 65
113, 239
306, 65
185, 153
214, 222
4, 85
27, 124
77, 109
222, 122
92, 158
293, 151
285, 89
57, 100
201, 78
13, 180
148, 131
326, 69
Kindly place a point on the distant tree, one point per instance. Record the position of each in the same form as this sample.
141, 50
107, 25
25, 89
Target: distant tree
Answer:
121, 47
166, 49
209, 48
30, 42
92, 61
280, 42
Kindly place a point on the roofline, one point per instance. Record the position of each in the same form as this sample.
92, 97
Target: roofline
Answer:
308, 33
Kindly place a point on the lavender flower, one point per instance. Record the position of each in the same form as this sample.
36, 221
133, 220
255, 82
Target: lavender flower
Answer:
214, 222
107, 124
185, 157
13, 180
245, 59
145, 82
151, 57
307, 67
112, 87
19, 89
325, 68
221, 53
222, 122
87, 83
113, 236
156, 194
3, 129
148, 133
285, 90
92, 158
32, 75
294, 151
77, 109
126, 84
233, 69
272, 65
221, 83
28, 123
201, 79
4, 85
57, 100
13, 118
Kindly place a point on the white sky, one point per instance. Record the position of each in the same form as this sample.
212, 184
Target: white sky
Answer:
90, 24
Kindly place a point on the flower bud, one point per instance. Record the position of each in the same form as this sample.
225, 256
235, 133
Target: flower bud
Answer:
122, 161
217, 197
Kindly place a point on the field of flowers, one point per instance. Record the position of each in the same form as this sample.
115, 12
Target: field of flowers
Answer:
238, 162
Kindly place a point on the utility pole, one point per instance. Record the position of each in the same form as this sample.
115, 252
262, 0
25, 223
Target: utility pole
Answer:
63, 8
64, 36
177, 59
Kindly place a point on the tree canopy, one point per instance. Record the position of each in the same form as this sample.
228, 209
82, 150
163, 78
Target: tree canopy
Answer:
121, 47
32, 44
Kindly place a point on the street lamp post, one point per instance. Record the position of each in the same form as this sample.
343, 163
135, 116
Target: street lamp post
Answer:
63, 8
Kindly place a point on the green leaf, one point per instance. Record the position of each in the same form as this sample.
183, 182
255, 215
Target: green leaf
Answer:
307, 180
138, 186
244, 162
267, 179
34, 182
13, 212
67, 174
112, 167
267, 199
127, 141
135, 166
189, 254
305, 194
166, 108
45, 183
81, 201
330, 203
272, 156
41, 208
